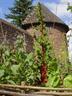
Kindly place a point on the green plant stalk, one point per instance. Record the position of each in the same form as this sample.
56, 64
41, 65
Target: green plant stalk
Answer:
43, 69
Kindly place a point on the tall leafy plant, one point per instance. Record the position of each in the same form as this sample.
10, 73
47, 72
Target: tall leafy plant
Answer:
44, 56
11, 59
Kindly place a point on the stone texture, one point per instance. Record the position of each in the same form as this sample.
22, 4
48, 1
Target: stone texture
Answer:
9, 33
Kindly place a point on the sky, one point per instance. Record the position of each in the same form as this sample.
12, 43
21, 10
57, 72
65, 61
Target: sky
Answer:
58, 7
4, 5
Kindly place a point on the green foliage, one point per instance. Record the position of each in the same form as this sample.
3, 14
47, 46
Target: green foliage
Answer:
16, 65
29, 72
10, 62
54, 79
55, 74
19, 11
69, 8
1, 73
68, 81
43, 49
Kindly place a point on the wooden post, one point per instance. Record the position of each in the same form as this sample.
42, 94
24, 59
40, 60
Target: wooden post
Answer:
22, 84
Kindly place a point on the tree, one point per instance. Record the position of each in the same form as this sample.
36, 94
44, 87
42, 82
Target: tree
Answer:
19, 11
69, 7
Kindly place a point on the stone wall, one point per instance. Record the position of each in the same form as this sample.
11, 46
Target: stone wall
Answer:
57, 37
9, 33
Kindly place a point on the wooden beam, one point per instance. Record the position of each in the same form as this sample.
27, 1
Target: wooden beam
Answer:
9, 93
55, 93
3, 92
34, 88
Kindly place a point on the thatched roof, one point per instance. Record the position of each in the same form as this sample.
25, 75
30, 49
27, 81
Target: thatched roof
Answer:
49, 17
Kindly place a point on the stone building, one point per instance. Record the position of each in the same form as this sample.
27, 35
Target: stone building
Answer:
9, 33
57, 30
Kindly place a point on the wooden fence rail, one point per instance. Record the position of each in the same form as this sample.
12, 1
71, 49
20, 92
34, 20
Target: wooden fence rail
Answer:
34, 87
2, 92
17, 90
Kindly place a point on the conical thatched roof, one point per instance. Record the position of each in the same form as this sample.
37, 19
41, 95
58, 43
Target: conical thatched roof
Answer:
49, 17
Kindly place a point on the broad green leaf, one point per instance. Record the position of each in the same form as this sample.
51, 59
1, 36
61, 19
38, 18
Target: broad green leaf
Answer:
29, 57
68, 81
7, 52
1, 72
7, 77
11, 82
14, 69
53, 81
